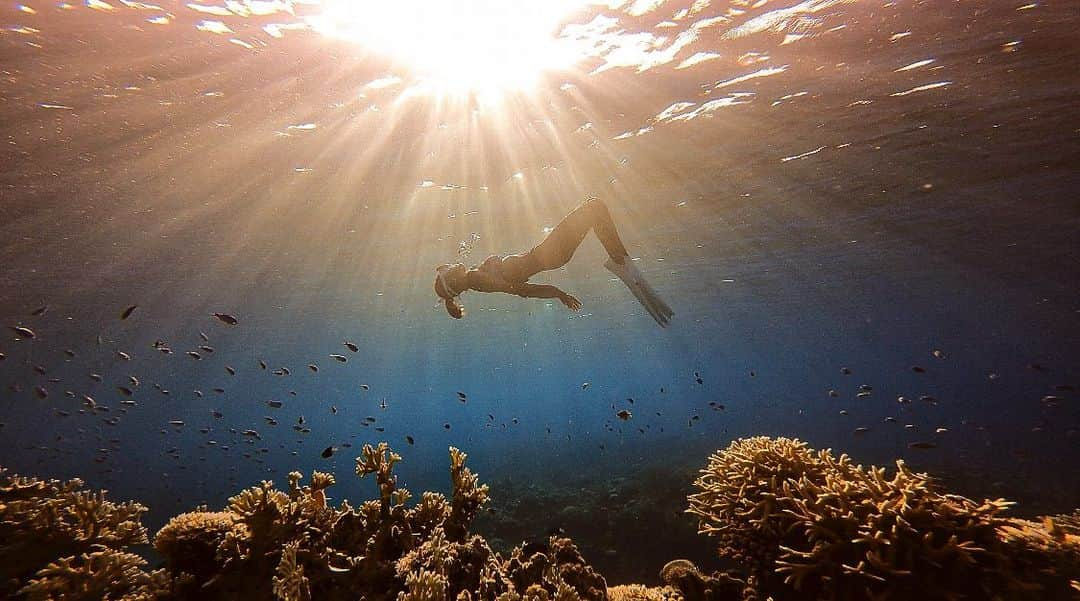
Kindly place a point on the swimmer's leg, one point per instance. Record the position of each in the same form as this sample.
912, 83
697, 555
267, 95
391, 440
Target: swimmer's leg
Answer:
559, 246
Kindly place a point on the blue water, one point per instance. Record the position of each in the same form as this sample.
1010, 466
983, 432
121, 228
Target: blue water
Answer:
859, 225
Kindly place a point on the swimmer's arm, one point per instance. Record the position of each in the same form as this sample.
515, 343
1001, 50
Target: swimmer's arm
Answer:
527, 290
485, 282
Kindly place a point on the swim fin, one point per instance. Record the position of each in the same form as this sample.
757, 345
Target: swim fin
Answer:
641, 289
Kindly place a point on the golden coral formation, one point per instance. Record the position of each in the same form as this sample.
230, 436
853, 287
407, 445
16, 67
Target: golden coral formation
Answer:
809, 525
54, 534
294, 546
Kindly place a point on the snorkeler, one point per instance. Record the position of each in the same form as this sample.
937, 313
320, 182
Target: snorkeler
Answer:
511, 273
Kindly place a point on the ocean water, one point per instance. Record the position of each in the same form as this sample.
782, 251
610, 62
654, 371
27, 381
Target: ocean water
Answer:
829, 194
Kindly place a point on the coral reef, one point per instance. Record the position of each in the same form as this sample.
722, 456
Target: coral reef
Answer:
794, 523
66, 536
809, 525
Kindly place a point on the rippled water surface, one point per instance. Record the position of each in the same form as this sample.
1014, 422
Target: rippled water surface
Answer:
829, 194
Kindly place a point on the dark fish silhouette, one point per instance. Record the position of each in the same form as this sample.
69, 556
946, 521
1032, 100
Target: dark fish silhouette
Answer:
409, 439
922, 445
24, 332
328, 452
226, 318
352, 346
39, 311
624, 414
126, 313
339, 358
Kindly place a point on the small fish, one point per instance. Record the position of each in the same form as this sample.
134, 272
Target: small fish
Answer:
922, 445
204, 337
123, 355
41, 392
364, 387
409, 439
262, 364
314, 368
328, 452
126, 313
219, 390
890, 419
846, 371
226, 318
127, 402
699, 380
208, 349
833, 394
124, 390
231, 370
339, 358
134, 381
70, 353
39, 370
39, 311
584, 385
176, 422
862, 430
333, 409
24, 332
274, 404
352, 346
446, 426
217, 414
917, 369
863, 394
624, 414
194, 355
300, 420
251, 434
941, 431
938, 353
269, 420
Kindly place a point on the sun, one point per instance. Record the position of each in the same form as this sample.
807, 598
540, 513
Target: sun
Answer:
459, 45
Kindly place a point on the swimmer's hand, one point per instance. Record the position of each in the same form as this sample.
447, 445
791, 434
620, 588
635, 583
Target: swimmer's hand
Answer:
570, 301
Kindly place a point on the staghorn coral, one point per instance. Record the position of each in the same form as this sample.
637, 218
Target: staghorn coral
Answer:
469, 496
269, 544
807, 524
43, 521
424, 586
289, 581
101, 574
552, 565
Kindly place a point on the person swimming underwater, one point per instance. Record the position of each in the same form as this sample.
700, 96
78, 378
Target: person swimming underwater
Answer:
510, 273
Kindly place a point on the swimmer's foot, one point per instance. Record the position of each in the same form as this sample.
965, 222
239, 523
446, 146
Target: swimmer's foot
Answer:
629, 274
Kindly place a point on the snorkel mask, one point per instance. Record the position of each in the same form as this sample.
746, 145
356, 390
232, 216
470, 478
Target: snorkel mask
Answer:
440, 276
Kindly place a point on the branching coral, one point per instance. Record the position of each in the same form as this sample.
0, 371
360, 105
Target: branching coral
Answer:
469, 496
101, 574
810, 525
43, 521
189, 542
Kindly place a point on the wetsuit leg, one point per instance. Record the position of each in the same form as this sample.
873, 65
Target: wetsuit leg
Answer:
559, 246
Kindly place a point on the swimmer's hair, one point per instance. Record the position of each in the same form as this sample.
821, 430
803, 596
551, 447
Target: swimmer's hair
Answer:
454, 308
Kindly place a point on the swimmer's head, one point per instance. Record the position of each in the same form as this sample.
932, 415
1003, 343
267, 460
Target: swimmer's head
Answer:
450, 282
